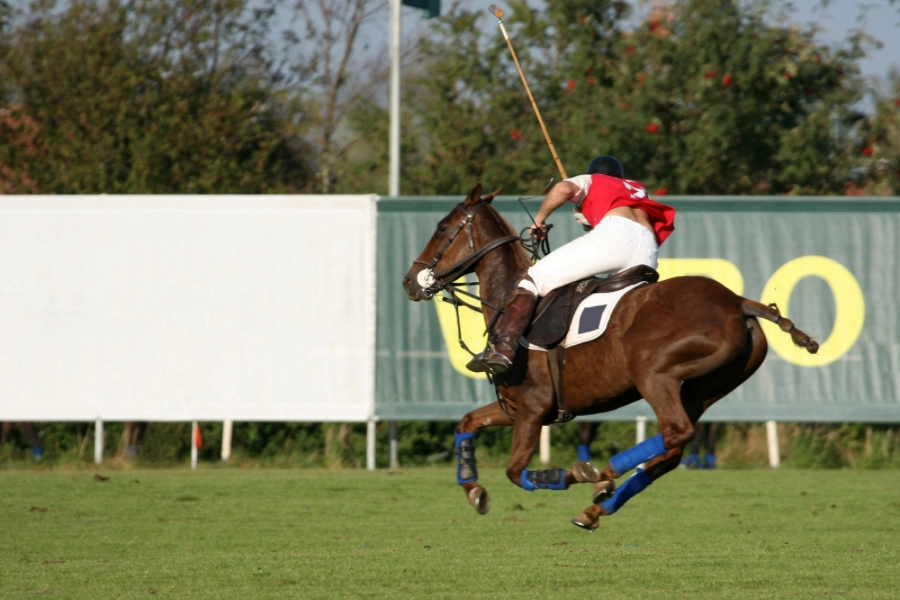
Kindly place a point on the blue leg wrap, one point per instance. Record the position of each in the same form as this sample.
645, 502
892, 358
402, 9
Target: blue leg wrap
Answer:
466, 471
550, 479
526, 483
584, 453
691, 461
635, 484
710, 461
628, 459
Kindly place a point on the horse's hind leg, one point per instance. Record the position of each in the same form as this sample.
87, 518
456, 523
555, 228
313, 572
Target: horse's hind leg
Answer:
467, 469
663, 395
697, 395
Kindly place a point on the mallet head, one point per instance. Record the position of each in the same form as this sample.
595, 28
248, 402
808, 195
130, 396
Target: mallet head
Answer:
495, 11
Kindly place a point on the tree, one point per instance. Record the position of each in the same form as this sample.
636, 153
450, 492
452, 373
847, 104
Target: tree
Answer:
707, 96
711, 98
471, 119
331, 76
152, 96
878, 144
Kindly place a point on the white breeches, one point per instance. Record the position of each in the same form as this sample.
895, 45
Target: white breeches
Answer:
615, 244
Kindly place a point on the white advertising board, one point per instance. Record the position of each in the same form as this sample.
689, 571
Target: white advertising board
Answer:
176, 308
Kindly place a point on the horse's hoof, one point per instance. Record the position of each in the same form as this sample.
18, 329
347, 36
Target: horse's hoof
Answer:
603, 490
478, 497
586, 521
585, 472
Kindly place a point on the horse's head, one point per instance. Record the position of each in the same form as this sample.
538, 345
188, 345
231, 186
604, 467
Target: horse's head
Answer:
453, 250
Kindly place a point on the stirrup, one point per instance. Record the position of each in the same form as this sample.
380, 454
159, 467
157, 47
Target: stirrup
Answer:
497, 363
479, 364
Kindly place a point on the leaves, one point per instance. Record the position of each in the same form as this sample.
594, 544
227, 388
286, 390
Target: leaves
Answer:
149, 97
878, 145
171, 96
705, 97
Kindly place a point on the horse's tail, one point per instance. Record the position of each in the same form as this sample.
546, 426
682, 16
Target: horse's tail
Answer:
771, 313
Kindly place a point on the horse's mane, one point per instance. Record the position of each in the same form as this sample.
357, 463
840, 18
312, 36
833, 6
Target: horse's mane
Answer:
506, 229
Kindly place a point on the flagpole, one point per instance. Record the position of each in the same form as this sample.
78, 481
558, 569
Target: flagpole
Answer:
394, 147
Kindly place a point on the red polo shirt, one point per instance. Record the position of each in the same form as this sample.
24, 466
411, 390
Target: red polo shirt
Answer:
607, 193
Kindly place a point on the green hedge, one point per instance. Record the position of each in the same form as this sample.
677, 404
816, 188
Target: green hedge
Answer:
420, 443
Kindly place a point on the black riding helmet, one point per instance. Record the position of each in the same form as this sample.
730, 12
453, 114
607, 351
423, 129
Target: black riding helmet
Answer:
606, 165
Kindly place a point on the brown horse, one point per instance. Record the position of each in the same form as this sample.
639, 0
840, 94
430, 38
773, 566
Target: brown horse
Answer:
681, 344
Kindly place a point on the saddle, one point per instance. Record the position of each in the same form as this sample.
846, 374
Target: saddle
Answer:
554, 312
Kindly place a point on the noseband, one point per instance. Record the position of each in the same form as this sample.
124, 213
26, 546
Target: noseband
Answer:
431, 281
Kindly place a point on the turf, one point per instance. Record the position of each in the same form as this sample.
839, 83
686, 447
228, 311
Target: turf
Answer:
230, 533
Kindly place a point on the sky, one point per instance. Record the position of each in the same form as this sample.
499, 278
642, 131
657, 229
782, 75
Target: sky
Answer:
880, 18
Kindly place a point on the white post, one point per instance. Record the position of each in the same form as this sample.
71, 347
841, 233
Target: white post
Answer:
392, 434
545, 444
641, 429
394, 146
98, 442
772, 435
641, 426
227, 429
370, 445
194, 445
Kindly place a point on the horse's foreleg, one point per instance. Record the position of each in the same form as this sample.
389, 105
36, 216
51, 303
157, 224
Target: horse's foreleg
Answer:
526, 434
467, 468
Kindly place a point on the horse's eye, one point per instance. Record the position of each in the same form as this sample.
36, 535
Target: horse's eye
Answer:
442, 228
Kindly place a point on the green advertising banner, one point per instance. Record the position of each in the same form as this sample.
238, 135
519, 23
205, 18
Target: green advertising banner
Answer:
829, 263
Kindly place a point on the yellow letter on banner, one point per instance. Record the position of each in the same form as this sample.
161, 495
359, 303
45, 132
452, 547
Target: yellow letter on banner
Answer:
719, 269
473, 334
850, 309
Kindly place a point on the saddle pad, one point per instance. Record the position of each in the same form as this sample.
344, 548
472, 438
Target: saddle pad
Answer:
590, 318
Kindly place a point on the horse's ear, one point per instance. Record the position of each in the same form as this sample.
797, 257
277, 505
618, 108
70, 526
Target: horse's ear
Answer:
474, 196
491, 196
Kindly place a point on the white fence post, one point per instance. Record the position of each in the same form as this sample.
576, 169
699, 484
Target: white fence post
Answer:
772, 436
545, 444
227, 430
98, 442
370, 445
641, 433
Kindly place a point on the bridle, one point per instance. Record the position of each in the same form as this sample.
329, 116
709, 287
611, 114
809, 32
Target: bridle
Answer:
432, 282
443, 280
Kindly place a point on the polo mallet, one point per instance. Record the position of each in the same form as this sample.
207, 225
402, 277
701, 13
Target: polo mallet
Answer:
499, 13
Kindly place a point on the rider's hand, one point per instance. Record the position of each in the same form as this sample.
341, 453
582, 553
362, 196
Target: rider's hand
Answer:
539, 232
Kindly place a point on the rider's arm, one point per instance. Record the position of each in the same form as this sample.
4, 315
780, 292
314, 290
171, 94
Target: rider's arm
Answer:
561, 193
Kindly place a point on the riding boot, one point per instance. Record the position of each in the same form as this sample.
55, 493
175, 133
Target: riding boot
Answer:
499, 355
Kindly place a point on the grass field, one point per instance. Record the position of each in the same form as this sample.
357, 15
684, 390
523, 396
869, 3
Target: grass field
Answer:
250, 533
